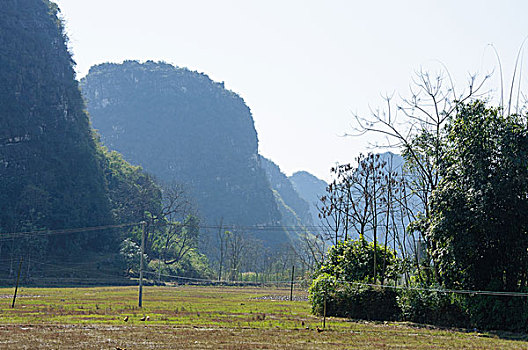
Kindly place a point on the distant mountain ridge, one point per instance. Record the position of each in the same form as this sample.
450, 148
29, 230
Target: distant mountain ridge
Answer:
181, 126
289, 197
310, 189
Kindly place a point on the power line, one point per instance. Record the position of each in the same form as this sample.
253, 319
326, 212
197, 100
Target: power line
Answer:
10, 235
204, 280
423, 289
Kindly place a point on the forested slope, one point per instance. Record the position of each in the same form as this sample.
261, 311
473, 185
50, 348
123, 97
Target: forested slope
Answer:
50, 169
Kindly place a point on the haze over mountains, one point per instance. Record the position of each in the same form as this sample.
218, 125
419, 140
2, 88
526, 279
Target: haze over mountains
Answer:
157, 126
310, 189
183, 127
179, 125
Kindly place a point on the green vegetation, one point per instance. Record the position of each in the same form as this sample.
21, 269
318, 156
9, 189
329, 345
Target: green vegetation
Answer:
133, 194
478, 214
54, 174
437, 235
466, 180
479, 220
50, 176
352, 261
340, 287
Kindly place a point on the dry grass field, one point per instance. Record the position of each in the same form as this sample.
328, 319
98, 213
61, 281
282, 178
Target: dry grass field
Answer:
205, 318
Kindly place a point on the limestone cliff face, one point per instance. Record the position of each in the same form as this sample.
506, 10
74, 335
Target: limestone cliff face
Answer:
50, 174
182, 126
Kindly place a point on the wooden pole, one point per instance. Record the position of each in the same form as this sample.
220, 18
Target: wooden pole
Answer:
221, 241
324, 309
143, 226
18, 279
291, 287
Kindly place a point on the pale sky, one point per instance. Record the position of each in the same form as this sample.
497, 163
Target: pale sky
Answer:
304, 67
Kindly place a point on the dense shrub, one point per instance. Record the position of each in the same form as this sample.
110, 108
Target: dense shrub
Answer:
441, 309
343, 281
360, 301
485, 312
498, 312
353, 300
193, 265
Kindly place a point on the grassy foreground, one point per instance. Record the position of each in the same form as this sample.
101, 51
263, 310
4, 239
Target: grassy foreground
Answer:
204, 318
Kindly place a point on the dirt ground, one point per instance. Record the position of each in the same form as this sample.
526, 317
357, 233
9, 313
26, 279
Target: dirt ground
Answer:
171, 337
160, 337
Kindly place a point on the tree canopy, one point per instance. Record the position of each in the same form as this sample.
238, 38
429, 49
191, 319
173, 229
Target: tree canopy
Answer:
479, 220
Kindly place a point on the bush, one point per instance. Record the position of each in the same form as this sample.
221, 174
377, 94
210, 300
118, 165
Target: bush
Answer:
193, 265
441, 309
498, 312
340, 277
359, 301
353, 260
353, 300
485, 312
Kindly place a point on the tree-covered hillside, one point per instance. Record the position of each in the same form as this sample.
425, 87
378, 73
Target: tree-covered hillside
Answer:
181, 126
50, 170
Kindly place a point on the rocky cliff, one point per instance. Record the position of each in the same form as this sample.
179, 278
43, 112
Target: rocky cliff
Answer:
181, 126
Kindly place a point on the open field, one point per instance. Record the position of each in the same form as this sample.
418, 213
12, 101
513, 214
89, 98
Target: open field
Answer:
204, 318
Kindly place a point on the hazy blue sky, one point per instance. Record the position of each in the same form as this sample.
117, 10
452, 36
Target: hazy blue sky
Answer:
303, 66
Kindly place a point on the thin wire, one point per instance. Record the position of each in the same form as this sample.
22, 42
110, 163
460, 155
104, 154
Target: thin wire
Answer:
438, 290
10, 235
220, 281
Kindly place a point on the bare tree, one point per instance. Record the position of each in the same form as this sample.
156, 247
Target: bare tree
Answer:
310, 251
415, 125
237, 245
174, 232
331, 211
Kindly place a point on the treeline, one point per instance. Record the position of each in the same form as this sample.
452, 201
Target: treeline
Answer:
442, 237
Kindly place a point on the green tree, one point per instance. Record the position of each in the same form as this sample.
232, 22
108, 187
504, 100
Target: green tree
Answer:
478, 212
133, 193
352, 261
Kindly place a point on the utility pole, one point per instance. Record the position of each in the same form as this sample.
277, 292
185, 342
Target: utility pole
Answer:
143, 227
221, 239
291, 287
18, 279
